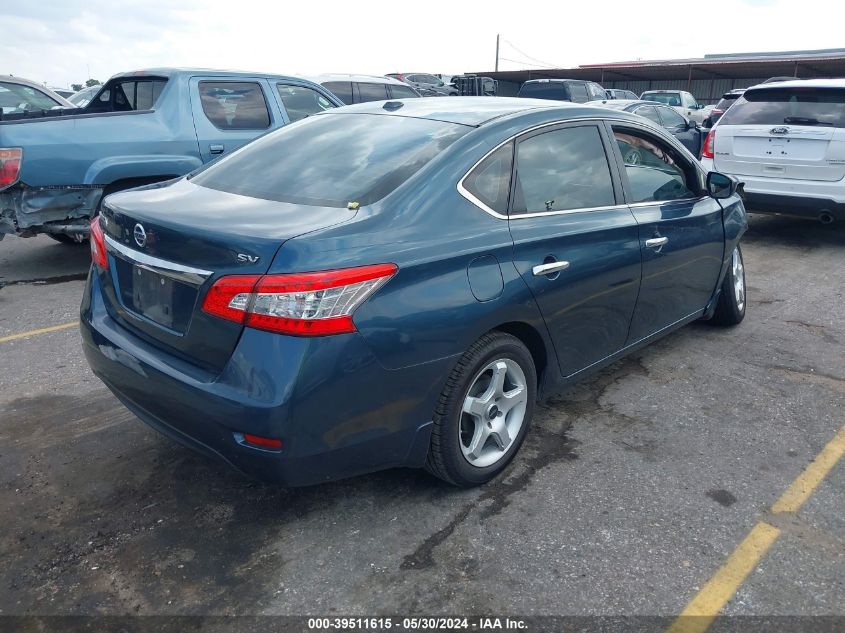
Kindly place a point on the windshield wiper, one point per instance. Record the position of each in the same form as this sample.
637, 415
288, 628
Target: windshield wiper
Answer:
803, 120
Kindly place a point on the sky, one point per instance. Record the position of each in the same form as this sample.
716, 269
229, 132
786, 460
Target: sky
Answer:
59, 42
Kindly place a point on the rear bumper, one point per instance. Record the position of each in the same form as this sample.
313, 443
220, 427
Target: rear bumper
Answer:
27, 211
800, 198
337, 411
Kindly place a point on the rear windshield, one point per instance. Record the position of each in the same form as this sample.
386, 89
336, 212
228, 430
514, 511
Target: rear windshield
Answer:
544, 90
796, 106
726, 102
667, 98
332, 160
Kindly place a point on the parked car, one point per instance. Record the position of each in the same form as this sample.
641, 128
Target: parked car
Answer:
575, 90
143, 127
687, 132
786, 142
83, 97
385, 285
613, 93
18, 95
774, 80
682, 101
353, 89
727, 100
63, 92
426, 84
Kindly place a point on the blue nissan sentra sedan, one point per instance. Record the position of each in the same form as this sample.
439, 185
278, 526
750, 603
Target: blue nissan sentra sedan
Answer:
397, 283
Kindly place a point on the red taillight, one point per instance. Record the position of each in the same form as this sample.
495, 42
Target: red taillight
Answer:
263, 442
707, 151
301, 304
10, 165
98, 245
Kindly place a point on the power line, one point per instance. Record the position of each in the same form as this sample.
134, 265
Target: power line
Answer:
527, 56
524, 63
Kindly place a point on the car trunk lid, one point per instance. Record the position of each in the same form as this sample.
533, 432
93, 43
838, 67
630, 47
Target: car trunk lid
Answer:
167, 246
789, 131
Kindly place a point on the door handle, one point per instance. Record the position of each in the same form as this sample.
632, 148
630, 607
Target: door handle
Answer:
549, 269
216, 148
657, 242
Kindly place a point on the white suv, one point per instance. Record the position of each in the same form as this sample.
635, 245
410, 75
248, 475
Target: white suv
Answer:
786, 142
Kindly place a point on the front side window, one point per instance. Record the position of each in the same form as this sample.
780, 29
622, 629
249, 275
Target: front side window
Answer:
371, 92
340, 89
672, 119
16, 98
791, 106
561, 170
301, 102
596, 91
648, 112
490, 181
234, 105
655, 172
331, 160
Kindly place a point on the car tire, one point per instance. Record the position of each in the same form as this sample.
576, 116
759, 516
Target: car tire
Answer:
730, 308
484, 411
68, 239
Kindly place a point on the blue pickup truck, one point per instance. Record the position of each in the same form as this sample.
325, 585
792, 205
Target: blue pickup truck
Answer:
142, 127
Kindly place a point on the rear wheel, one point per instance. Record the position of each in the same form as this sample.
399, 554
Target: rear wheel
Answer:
730, 309
484, 411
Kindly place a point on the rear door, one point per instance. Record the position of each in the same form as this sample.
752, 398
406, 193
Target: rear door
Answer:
576, 243
228, 113
784, 132
681, 234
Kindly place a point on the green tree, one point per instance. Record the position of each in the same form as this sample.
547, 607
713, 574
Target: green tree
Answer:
76, 87
93, 82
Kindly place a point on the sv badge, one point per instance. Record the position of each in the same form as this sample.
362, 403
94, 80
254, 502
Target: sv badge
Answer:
244, 258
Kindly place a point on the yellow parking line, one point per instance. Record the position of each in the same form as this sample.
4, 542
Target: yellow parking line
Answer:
699, 614
715, 594
43, 330
812, 476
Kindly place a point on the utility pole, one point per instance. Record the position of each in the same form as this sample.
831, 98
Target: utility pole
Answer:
497, 52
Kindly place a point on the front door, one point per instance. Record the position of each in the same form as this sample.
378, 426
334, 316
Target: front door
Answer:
575, 244
229, 113
680, 230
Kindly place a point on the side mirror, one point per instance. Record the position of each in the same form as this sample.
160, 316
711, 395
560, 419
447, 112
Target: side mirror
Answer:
721, 186
691, 125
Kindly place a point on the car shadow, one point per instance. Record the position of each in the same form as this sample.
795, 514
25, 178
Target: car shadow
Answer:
792, 232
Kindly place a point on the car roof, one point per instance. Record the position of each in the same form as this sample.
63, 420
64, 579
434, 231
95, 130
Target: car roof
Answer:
374, 79
472, 111
801, 83
671, 91
34, 84
171, 72
553, 79
621, 104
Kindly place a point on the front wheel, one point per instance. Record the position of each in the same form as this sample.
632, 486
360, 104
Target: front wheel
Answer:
730, 309
484, 411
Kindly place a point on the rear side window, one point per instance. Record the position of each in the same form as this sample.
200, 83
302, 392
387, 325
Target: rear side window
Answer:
795, 106
578, 92
596, 91
300, 101
726, 102
562, 169
340, 89
490, 181
655, 172
402, 92
332, 160
234, 105
544, 90
129, 95
371, 92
